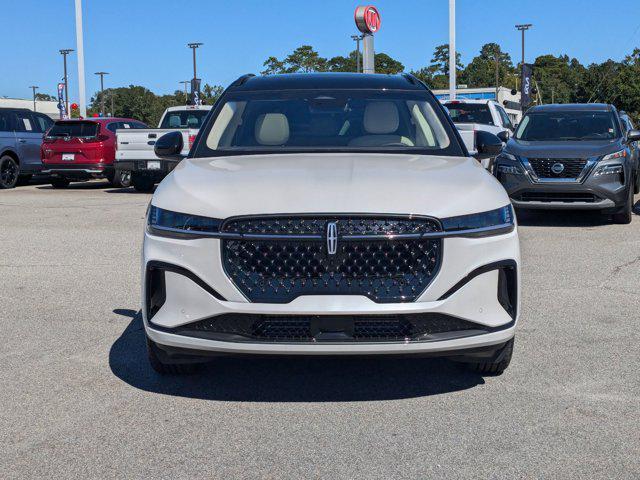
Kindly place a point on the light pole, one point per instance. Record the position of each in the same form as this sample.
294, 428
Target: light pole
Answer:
193, 46
80, 47
64, 52
185, 83
34, 88
357, 39
523, 28
102, 74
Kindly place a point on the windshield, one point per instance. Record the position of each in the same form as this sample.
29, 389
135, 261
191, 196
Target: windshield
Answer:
74, 129
184, 119
335, 120
565, 126
469, 113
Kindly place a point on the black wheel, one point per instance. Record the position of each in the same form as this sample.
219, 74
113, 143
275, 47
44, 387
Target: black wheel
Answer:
498, 364
60, 183
121, 179
624, 216
636, 184
24, 180
9, 171
162, 367
142, 183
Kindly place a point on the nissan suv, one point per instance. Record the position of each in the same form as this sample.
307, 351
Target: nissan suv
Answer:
579, 156
329, 214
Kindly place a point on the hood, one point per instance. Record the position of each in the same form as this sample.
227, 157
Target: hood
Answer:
222, 187
567, 149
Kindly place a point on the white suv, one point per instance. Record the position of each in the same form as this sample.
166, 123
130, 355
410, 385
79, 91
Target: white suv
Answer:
329, 214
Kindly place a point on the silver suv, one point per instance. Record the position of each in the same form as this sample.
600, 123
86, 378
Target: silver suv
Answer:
21, 133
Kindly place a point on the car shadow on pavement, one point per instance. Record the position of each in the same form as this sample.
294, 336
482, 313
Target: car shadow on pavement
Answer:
91, 185
564, 218
287, 379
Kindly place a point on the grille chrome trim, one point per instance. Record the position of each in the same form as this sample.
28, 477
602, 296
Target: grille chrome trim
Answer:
579, 179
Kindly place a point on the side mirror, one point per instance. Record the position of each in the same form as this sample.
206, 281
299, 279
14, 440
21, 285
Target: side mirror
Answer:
633, 136
503, 136
487, 144
169, 146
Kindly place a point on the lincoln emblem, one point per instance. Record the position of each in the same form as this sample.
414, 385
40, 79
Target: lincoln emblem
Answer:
332, 238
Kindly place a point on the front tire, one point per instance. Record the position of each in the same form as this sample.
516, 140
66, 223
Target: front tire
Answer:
9, 172
142, 183
163, 368
625, 215
497, 365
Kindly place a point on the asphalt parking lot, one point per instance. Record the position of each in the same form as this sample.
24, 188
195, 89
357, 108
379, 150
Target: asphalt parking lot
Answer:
78, 399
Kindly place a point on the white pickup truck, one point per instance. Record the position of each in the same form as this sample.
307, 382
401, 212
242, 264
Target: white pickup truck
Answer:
472, 116
134, 148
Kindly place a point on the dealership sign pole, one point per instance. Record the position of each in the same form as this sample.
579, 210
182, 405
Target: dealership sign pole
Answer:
452, 50
80, 48
368, 22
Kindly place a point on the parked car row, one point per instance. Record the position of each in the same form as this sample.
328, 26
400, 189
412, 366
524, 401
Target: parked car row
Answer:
117, 149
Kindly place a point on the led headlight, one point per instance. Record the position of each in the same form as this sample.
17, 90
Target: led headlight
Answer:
166, 223
614, 155
510, 169
493, 222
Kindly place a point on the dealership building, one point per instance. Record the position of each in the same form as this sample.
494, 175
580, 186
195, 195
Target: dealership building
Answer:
509, 101
47, 107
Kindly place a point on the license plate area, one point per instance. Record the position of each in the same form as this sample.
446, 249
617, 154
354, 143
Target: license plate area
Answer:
153, 165
68, 157
327, 328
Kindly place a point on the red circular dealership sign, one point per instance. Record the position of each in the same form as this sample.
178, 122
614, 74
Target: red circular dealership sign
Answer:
367, 19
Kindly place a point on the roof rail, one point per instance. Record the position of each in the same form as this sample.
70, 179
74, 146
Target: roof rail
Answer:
411, 79
242, 79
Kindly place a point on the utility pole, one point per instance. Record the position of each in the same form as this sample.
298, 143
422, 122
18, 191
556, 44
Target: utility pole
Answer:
34, 88
102, 74
452, 49
64, 52
357, 39
80, 47
497, 76
523, 28
193, 47
185, 83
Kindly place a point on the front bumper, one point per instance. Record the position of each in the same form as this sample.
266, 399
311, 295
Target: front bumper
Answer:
206, 292
606, 193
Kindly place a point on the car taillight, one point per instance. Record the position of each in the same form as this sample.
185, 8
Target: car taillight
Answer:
192, 139
97, 138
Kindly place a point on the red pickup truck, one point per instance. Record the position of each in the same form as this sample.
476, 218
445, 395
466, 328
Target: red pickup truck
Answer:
79, 150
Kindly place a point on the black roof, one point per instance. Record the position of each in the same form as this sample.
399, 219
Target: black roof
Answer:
326, 81
572, 107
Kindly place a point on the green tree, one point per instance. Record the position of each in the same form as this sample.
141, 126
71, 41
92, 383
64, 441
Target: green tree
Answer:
440, 60
481, 71
385, 64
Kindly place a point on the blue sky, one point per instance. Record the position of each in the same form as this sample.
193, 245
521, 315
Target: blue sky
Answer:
143, 42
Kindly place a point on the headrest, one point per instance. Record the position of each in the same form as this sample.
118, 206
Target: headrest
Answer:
381, 118
174, 121
272, 129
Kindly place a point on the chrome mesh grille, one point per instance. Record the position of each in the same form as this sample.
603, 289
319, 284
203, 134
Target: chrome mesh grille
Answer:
385, 269
572, 167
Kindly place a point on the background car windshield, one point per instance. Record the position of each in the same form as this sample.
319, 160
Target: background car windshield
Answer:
74, 129
184, 119
565, 126
470, 113
333, 119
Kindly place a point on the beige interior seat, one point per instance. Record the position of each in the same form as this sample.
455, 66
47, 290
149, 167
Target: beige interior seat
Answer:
272, 129
381, 121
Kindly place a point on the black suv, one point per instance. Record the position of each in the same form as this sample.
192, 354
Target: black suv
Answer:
573, 156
